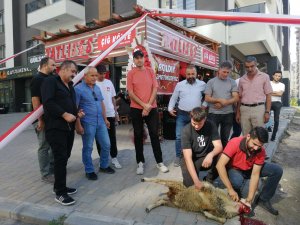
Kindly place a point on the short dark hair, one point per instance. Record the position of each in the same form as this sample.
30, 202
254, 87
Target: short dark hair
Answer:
44, 61
191, 66
138, 53
277, 71
67, 64
198, 114
226, 64
260, 133
101, 68
250, 59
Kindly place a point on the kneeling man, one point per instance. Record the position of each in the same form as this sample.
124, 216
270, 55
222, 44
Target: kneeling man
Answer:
201, 145
244, 158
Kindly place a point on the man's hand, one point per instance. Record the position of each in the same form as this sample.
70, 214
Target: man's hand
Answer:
147, 107
266, 117
79, 129
117, 118
145, 113
207, 160
69, 117
40, 125
218, 105
172, 112
223, 101
198, 185
246, 202
238, 117
80, 113
233, 195
107, 123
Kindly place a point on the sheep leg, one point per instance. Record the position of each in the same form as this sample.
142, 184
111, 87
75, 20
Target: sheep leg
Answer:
159, 202
210, 216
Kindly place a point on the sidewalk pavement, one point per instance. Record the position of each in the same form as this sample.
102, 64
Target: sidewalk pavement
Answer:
113, 199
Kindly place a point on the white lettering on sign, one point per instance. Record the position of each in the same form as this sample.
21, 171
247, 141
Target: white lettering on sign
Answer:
19, 70
166, 68
36, 59
178, 45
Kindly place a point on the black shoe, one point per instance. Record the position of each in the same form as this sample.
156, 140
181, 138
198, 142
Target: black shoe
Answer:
70, 191
91, 176
272, 138
64, 199
267, 206
269, 129
108, 170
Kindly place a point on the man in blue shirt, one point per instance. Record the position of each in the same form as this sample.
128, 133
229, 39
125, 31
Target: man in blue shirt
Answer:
94, 124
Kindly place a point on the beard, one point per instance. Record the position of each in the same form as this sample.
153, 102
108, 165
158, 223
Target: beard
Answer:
191, 80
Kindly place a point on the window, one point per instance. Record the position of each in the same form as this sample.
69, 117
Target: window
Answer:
2, 21
2, 55
35, 51
35, 5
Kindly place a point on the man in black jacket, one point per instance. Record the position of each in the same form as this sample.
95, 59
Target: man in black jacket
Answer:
58, 98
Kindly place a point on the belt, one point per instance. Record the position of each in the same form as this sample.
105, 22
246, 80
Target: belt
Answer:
253, 105
184, 111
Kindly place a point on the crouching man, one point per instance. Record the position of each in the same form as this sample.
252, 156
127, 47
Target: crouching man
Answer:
201, 145
244, 158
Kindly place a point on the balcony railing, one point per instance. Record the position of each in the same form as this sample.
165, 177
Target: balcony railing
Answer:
38, 4
257, 8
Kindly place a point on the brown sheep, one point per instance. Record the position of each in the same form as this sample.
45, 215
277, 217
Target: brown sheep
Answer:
213, 202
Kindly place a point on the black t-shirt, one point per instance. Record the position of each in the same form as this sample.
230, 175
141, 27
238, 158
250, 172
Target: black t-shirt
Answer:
199, 141
36, 84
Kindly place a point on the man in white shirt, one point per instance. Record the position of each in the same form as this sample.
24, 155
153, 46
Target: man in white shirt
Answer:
189, 94
109, 93
278, 89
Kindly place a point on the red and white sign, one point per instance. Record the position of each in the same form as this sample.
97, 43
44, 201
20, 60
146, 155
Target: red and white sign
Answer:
71, 50
178, 46
167, 74
105, 40
209, 57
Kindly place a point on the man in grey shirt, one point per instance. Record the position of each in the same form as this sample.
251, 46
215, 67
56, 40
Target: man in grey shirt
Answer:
188, 93
221, 93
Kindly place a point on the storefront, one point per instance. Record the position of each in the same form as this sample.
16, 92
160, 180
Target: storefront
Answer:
168, 49
15, 89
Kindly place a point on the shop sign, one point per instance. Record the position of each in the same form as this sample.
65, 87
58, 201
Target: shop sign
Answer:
16, 72
178, 45
209, 57
35, 59
167, 74
104, 41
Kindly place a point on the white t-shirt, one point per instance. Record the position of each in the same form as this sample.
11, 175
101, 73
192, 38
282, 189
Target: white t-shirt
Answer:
277, 87
108, 92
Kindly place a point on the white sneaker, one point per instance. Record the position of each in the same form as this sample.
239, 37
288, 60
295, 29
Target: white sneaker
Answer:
162, 167
115, 163
140, 168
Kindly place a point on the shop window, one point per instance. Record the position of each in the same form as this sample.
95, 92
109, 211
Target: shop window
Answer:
2, 55
2, 21
34, 5
39, 50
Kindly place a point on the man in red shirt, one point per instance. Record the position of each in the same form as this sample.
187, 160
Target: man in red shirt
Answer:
142, 88
243, 159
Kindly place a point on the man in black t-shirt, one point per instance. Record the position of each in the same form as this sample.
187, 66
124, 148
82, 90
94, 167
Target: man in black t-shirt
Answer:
45, 157
201, 144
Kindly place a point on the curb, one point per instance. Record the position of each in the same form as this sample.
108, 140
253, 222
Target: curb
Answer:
42, 215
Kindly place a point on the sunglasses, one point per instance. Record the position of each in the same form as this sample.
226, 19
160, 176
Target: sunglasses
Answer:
95, 97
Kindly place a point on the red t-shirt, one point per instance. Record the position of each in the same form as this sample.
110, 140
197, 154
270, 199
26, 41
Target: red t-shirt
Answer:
141, 82
236, 151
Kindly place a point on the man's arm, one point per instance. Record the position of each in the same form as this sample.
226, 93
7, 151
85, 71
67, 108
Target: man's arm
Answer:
268, 108
173, 100
277, 93
216, 151
104, 114
221, 167
253, 183
187, 155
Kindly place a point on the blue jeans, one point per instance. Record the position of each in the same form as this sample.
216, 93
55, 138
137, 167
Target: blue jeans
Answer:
240, 180
98, 132
182, 119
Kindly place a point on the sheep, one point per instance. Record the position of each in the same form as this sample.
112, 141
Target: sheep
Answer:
213, 202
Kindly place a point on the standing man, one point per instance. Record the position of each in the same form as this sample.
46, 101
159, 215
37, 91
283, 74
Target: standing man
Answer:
201, 145
188, 94
94, 124
278, 89
109, 93
142, 88
244, 158
255, 93
58, 98
221, 93
45, 157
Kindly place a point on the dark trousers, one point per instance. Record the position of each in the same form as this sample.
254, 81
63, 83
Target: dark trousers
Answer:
236, 128
138, 127
61, 143
211, 175
225, 123
112, 138
276, 106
